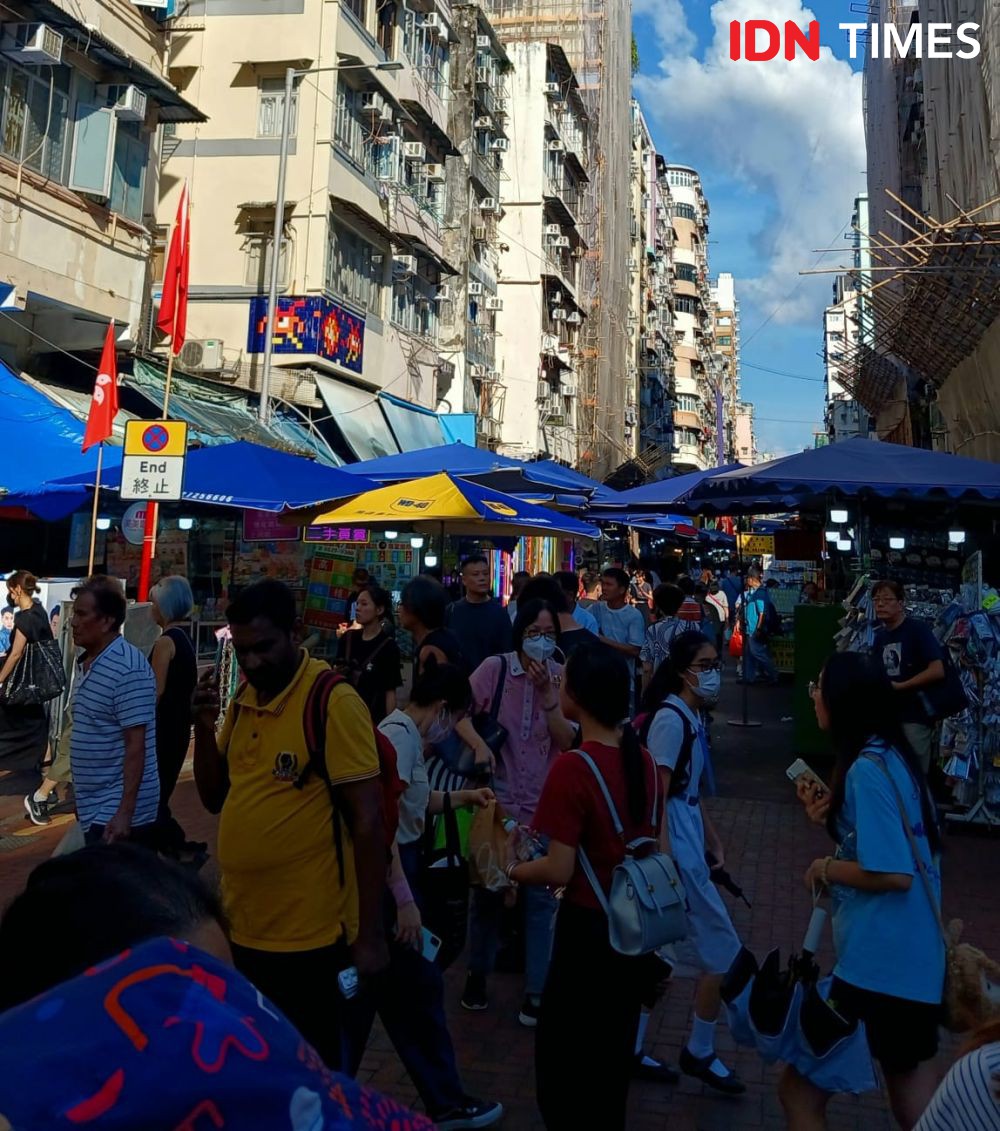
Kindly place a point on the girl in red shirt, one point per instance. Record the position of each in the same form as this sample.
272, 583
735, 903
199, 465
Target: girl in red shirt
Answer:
590, 1006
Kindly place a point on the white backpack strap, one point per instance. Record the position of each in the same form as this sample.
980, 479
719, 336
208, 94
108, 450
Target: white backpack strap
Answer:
616, 820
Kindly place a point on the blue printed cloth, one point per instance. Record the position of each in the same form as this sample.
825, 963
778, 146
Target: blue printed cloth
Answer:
166, 1038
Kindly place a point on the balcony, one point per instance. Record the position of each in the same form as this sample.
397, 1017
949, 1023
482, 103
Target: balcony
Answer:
485, 174
555, 351
561, 264
563, 199
480, 345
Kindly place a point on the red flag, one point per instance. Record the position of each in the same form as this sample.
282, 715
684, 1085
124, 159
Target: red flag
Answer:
104, 403
172, 318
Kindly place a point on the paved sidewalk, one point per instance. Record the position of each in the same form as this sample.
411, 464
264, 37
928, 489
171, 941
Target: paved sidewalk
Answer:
769, 844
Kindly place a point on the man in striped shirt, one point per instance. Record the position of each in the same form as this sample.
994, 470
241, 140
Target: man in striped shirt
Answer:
113, 744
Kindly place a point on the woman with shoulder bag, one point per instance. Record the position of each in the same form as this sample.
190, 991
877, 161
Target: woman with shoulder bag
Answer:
685, 684
369, 655
590, 1007
890, 954
533, 732
24, 730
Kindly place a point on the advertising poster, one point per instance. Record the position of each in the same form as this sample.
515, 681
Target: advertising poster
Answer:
329, 587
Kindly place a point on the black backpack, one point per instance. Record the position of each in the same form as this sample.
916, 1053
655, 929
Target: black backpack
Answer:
680, 779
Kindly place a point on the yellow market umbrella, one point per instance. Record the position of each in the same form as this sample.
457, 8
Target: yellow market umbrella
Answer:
453, 506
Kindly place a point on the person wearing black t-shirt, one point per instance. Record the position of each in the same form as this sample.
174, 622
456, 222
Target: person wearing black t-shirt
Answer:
480, 622
911, 657
369, 655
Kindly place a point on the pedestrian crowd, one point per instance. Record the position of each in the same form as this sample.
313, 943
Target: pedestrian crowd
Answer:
553, 751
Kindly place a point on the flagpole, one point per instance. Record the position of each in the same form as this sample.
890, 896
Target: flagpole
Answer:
93, 517
152, 507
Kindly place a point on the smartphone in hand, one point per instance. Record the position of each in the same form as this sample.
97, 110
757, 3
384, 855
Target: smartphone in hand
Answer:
429, 944
801, 771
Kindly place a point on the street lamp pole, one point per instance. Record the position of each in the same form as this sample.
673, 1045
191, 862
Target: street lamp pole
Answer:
274, 279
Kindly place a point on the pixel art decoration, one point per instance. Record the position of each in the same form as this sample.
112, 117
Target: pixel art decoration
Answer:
310, 324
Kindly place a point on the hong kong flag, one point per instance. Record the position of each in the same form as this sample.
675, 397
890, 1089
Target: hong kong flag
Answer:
172, 318
104, 403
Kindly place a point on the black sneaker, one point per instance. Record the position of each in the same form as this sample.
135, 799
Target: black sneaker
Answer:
38, 811
474, 998
472, 1113
530, 1008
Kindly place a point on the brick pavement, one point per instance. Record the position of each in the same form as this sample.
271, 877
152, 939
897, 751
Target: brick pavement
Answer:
768, 844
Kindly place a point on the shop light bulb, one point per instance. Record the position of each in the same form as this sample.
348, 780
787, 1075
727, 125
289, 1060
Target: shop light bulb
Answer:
897, 543
185, 523
844, 545
416, 541
956, 537
833, 536
430, 559
103, 523
391, 535
838, 516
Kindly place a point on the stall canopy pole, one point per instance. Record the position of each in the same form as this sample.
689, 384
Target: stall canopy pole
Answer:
93, 517
152, 509
745, 720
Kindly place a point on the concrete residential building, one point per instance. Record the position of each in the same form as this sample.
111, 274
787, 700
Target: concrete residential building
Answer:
696, 407
84, 87
726, 334
595, 36
541, 249
744, 435
364, 278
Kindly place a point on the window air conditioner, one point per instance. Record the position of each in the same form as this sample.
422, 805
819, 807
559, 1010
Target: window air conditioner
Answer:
128, 102
443, 293
575, 317
479, 233
544, 391
494, 304
483, 43
558, 314
483, 122
483, 76
556, 145
434, 172
553, 230
500, 144
562, 241
204, 355
372, 102
404, 265
433, 24
414, 151
488, 204
552, 90
475, 288
38, 44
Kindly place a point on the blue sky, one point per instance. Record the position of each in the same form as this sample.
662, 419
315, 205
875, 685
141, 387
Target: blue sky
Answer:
780, 149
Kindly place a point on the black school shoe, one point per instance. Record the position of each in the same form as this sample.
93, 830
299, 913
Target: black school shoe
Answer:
646, 1067
700, 1067
470, 1115
474, 997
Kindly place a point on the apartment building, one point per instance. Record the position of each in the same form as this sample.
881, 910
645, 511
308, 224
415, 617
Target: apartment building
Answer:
83, 88
469, 304
649, 405
744, 435
696, 383
726, 363
541, 248
364, 280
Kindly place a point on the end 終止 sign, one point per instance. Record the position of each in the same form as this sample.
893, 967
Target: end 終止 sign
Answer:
153, 460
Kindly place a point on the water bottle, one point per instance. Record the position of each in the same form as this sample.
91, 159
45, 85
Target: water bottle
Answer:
525, 844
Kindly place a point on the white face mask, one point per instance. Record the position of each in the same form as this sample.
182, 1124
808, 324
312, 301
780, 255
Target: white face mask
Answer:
538, 648
708, 686
439, 730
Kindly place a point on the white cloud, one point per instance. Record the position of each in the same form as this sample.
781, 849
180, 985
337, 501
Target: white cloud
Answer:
673, 35
791, 132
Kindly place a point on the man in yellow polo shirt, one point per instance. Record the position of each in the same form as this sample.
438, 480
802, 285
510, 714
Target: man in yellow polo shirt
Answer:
298, 914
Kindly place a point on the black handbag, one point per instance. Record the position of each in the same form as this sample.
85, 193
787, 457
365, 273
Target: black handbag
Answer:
487, 723
947, 697
38, 677
444, 888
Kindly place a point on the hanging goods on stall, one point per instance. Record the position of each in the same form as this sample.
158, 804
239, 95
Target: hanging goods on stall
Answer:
37, 677
646, 902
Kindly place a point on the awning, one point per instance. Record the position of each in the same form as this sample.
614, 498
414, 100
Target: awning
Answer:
359, 417
217, 415
459, 427
413, 426
77, 402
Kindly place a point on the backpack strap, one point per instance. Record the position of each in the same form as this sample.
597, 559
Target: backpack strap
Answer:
498, 692
314, 726
680, 778
588, 869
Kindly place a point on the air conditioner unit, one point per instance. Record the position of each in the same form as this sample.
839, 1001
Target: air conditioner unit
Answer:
575, 317
483, 122
544, 391
372, 102
553, 229
630, 414
443, 293
483, 43
479, 235
488, 204
32, 43
556, 145
414, 151
434, 172
494, 304
484, 76
558, 314
552, 90
404, 265
567, 388
477, 371
433, 24
562, 241
475, 288
128, 102
204, 355
500, 144
633, 265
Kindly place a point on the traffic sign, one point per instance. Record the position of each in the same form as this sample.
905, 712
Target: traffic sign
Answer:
153, 461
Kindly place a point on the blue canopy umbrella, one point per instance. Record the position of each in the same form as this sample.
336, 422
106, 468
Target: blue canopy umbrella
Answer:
663, 495
853, 469
249, 476
501, 473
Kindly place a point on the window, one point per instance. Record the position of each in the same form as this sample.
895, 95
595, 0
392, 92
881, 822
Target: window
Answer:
33, 122
688, 402
257, 243
684, 211
836, 335
358, 9
687, 436
724, 340
386, 19
128, 171
680, 178
428, 53
348, 130
354, 268
413, 305
685, 305
686, 273
271, 107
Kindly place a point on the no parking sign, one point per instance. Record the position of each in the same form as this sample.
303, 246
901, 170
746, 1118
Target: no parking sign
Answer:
153, 460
